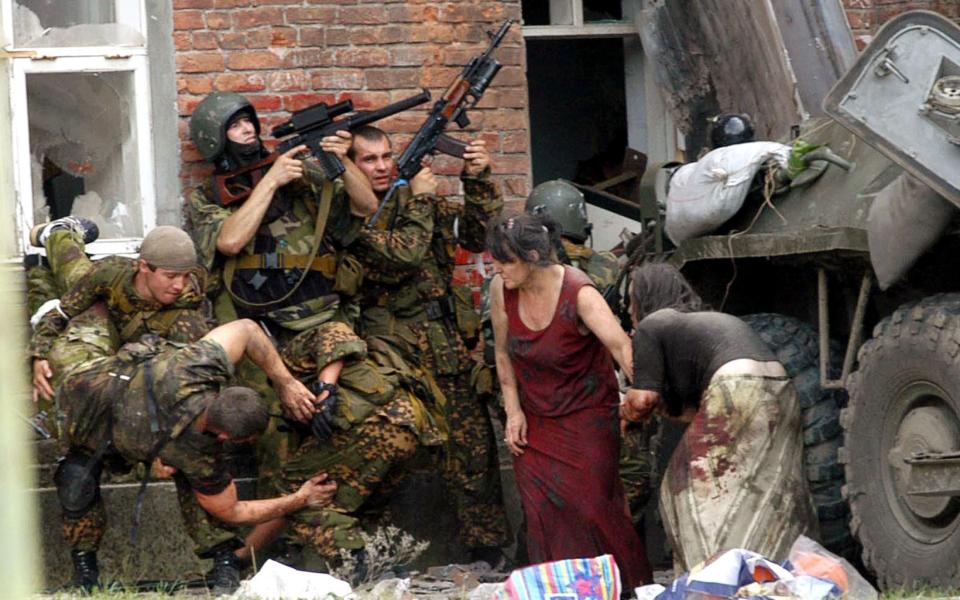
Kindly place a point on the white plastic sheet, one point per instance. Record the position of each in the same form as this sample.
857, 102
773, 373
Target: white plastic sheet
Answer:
280, 582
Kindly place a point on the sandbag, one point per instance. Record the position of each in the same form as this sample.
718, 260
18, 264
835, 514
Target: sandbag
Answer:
706, 194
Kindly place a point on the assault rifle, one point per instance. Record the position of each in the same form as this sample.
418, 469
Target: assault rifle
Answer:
310, 126
462, 95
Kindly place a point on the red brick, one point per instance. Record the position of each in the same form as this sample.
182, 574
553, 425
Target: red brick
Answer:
188, 19
231, 3
407, 13
414, 56
199, 62
261, 38
314, 36
233, 40
504, 120
331, 1
182, 40
237, 82
189, 152
368, 100
186, 104
438, 77
257, 17
205, 40
296, 102
388, 79
361, 15
361, 57
266, 104
201, 4
509, 55
197, 85
310, 57
253, 60
461, 11
432, 33
280, 81
511, 163
407, 121
218, 20
490, 99
392, 34
511, 76
517, 186
323, 14
338, 79
283, 36
515, 141
514, 97
279, 2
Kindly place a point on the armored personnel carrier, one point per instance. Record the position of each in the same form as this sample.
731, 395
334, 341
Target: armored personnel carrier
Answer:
863, 250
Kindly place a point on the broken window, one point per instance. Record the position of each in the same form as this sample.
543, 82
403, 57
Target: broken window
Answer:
80, 80
83, 149
60, 24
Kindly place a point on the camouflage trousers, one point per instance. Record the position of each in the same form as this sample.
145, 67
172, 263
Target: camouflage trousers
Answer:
471, 467
638, 466
84, 531
736, 479
361, 460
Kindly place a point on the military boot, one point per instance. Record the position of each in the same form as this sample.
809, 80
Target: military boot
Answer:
86, 574
224, 577
86, 228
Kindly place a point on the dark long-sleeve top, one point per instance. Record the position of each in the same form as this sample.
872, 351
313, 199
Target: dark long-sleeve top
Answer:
676, 354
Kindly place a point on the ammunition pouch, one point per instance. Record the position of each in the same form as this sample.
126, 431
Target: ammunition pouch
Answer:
465, 313
78, 482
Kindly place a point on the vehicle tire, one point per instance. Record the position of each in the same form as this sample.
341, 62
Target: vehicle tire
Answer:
905, 397
796, 346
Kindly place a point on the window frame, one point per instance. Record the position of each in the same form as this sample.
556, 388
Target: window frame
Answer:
79, 59
572, 10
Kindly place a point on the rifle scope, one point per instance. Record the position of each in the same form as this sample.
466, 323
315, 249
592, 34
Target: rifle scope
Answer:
317, 115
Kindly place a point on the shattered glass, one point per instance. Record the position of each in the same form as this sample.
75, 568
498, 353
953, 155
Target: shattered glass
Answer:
83, 149
59, 23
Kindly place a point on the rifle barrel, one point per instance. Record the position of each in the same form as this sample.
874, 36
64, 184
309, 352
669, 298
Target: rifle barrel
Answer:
365, 117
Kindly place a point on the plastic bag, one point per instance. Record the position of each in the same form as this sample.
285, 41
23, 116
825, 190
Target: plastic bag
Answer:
595, 578
808, 558
706, 194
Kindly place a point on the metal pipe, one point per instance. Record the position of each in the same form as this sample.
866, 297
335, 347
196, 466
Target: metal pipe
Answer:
856, 328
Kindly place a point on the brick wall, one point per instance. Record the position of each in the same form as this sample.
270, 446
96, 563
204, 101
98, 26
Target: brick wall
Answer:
287, 54
866, 16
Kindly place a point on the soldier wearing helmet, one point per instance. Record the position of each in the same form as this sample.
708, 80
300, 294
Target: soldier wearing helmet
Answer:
565, 204
282, 261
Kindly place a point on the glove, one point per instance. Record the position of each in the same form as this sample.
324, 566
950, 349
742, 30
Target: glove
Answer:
321, 425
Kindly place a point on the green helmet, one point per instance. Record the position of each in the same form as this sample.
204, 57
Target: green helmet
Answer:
208, 124
565, 205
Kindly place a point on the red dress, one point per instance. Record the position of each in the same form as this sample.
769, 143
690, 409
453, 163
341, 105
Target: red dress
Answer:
567, 476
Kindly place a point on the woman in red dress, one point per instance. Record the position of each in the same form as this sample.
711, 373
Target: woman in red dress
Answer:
554, 339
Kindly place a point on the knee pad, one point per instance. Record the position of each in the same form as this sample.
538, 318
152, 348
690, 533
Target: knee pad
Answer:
78, 483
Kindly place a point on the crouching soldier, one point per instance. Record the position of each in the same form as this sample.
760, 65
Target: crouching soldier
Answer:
157, 400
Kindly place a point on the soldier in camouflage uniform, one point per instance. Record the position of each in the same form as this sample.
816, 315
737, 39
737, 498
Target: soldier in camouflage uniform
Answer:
156, 400
135, 296
566, 205
116, 300
407, 295
279, 258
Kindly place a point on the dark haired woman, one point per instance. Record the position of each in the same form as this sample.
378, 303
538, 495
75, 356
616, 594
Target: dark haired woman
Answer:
736, 478
554, 339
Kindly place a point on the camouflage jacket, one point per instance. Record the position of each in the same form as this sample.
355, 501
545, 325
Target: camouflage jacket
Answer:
602, 267
111, 396
408, 271
110, 280
416, 259
286, 232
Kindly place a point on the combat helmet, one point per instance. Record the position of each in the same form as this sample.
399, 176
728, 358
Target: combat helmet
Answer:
730, 128
208, 124
565, 204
